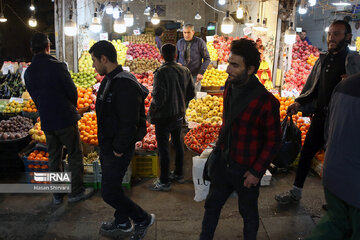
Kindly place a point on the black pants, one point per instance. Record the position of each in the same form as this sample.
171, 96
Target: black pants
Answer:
70, 138
314, 141
224, 182
113, 172
162, 132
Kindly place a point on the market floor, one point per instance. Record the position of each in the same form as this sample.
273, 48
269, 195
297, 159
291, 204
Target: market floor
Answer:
178, 216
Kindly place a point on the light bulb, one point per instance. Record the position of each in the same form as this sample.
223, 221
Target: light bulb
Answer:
155, 19
222, 2
197, 16
32, 22
32, 7
227, 26
119, 26
147, 11
240, 12
95, 25
290, 35
2, 18
109, 9
116, 12
302, 10
70, 28
312, 3
341, 3
326, 29
129, 18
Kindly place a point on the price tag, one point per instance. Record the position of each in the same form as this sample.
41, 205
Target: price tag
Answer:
126, 43
247, 31
129, 57
14, 99
210, 38
222, 67
126, 69
136, 32
104, 36
201, 95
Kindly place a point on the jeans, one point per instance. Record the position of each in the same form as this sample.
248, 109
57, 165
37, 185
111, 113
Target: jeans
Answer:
55, 141
314, 141
162, 132
224, 182
113, 171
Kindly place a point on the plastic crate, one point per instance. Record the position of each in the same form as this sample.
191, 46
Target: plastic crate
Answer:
28, 162
90, 175
145, 165
126, 180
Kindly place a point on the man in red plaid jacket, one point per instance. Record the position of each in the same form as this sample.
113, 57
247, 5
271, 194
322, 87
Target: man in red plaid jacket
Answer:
250, 144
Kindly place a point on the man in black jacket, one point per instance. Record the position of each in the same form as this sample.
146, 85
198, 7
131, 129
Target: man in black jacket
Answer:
55, 96
173, 89
121, 122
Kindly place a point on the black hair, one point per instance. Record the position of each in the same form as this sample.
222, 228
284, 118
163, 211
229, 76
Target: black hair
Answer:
39, 43
168, 52
248, 50
159, 31
303, 30
104, 48
345, 24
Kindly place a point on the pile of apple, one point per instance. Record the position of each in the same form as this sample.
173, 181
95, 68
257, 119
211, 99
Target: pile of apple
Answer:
296, 77
148, 143
146, 51
197, 139
84, 79
141, 65
36, 133
146, 79
214, 77
222, 45
212, 51
121, 50
142, 38
205, 110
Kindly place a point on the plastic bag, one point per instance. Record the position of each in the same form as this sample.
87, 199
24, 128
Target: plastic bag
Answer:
201, 186
290, 143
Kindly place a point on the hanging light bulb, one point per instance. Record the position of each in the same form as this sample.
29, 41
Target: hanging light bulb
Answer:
249, 23
32, 6
95, 25
227, 26
290, 35
327, 29
129, 18
302, 8
239, 11
147, 11
197, 16
120, 26
222, 2
109, 9
32, 22
116, 12
155, 19
70, 28
341, 3
2, 17
312, 3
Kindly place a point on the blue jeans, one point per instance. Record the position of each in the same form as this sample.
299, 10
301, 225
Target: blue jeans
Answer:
226, 180
163, 131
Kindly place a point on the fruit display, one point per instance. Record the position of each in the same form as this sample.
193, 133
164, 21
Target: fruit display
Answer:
11, 86
36, 133
264, 75
146, 79
121, 50
37, 155
85, 98
13, 107
142, 38
197, 139
90, 158
146, 51
222, 45
140, 66
3, 104
205, 110
296, 77
357, 44
85, 63
15, 128
212, 51
88, 128
148, 143
84, 79
214, 77
29, 106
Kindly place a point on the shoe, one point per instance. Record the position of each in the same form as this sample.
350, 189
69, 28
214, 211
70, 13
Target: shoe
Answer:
141, 228
287, 198
57, 200
325, 207
176, 178
113, 230
87, 193
158, 186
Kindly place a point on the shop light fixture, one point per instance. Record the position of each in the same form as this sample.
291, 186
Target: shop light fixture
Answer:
227, 26
32, 6
240, 11
290, 35
326, 29
249, 23
116, 12
312, 3
120, 26
32, 22
109, 9
2, 17
95, 25
302, 10
341, 3
222, 2
197, 16
129, 18
155, 19
147, 11
70, 28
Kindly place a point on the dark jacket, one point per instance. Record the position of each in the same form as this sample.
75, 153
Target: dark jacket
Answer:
173, 89
53, 92
119, 111
199, 55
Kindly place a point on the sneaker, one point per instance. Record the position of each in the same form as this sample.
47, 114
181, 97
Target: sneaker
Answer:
158, 186
81, 196
286, 198
176, 178
113, 230
141, 228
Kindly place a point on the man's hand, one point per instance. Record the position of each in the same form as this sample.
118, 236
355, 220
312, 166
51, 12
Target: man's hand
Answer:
118, 154
344, 76
250, 180
199, 77
293, 108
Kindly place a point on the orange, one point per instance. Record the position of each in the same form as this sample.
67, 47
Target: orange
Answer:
81, 106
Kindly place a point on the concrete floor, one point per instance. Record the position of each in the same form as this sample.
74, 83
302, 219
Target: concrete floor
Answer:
178, 216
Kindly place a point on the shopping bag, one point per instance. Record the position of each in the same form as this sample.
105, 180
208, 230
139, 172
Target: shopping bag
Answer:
290, 143
201, 186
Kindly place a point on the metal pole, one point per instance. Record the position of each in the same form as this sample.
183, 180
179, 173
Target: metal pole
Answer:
56, 18
62, 29
75, 39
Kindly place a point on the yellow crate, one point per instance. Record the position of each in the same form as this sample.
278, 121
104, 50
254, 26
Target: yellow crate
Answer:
145, 165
